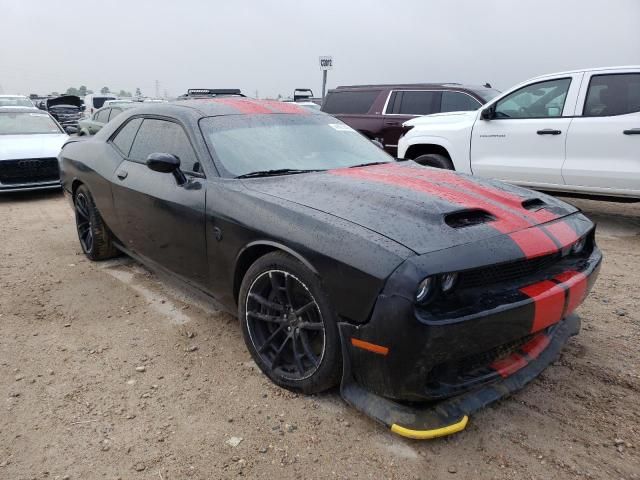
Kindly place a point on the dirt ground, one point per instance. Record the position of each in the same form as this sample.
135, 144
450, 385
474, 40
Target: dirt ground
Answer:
109, 371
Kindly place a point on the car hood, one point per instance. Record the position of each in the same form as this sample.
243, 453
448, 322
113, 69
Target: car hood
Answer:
15, 147
413, 205
439, 118
72, 100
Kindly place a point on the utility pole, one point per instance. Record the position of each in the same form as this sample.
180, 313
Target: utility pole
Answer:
324, 82
157, 89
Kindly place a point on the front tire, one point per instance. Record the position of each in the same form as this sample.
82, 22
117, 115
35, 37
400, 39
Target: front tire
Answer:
288, 324
435, 160
95, 238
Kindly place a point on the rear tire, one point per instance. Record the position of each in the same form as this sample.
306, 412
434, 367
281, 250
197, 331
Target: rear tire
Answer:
288, 324
95, 238
435, 160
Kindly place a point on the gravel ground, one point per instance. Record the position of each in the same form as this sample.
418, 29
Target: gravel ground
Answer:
109, 371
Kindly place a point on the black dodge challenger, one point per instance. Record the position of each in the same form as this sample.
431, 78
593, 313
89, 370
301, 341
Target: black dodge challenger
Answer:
426, 294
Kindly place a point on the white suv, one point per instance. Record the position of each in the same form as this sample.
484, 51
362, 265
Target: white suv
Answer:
575, 131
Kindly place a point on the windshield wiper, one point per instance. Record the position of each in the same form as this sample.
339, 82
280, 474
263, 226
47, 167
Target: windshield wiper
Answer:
278, 171
367, 164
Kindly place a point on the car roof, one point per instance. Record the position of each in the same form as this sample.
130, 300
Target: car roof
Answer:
12, 95
593, 69
407, 86
209, 107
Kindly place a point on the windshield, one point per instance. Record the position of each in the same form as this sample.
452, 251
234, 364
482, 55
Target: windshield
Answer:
254, 143
23, 123
16, 102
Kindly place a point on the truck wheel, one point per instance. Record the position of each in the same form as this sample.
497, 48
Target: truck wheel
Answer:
435, 160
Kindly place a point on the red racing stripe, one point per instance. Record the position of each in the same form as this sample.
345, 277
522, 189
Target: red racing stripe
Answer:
508, 199
548, 302
506, 222
576, 283
536, 346
562, 232
509, 365
243, 105
533, 244
286, 107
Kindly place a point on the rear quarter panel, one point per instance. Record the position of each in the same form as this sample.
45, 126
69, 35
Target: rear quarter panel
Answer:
92, 163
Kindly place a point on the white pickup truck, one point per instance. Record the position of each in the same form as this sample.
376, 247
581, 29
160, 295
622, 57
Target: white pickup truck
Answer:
576, 132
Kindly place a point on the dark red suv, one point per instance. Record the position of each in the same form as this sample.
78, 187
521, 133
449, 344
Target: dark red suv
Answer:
378, 111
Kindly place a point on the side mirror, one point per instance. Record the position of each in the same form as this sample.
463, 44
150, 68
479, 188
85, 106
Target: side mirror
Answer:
488, 113
71, 130
166, 163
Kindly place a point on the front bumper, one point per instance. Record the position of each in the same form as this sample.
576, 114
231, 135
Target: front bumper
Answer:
27, 187
423, 422
424, 370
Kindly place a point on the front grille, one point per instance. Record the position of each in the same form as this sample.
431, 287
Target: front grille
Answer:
506, 272
29, 170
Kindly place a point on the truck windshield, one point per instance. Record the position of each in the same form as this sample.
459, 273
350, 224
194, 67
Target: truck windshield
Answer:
257, 143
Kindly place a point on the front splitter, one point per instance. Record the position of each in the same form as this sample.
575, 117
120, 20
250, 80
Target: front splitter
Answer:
433, 420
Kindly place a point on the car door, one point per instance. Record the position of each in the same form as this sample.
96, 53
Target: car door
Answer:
403, 105
523, 141
160, 219
603, 144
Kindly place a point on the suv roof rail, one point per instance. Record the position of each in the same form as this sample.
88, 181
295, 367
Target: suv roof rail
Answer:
212, 92
402, 85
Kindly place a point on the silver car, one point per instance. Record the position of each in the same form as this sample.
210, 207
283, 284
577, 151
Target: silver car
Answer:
30, 141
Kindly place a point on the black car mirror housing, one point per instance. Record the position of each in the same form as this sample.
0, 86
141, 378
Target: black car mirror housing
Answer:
166, 163
488, 113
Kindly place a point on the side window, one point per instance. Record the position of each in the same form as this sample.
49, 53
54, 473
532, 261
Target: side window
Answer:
458, 102
539, 100
114, 113
614, 94
102, 116
418, 103
124, 138
353, 102
162, 136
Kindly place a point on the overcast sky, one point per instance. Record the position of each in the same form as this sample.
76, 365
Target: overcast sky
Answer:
273, 46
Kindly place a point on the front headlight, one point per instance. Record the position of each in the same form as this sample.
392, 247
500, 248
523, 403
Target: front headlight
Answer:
578, 247
425, 289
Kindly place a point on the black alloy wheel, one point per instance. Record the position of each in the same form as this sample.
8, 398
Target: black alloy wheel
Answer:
83, 222
95, 238
288, 325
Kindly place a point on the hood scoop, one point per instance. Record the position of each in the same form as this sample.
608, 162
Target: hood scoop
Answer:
534, 204
468, 218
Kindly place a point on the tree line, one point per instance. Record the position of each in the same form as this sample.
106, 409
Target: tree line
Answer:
82, 90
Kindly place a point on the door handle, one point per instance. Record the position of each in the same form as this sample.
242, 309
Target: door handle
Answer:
392, 123
633, 131
549, 131
122, 174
